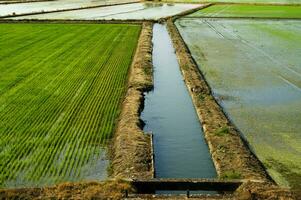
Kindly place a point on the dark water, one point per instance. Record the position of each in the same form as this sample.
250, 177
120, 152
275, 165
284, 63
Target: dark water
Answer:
180, 149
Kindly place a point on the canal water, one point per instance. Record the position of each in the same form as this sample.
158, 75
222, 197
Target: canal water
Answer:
179, 145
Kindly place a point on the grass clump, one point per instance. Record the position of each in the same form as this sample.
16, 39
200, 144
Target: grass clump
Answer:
231, 175
201, 97
222, 131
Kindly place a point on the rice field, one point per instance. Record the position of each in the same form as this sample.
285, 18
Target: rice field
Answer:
238, 1
46, 6
253, 67
262, 11
135, 11
60, 90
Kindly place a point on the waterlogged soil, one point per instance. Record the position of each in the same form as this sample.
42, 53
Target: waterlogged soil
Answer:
121, 12
179, 146
60, 92
34, 7
95, 170
254, 70
249, 11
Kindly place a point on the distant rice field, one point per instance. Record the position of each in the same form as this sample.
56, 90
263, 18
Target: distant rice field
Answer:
241, 1
249, 11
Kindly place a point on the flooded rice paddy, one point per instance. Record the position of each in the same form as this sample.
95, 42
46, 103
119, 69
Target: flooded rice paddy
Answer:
254, 70
179, 145
121, 12
34, 7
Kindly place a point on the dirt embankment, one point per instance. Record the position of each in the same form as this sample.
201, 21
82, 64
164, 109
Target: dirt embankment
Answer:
132, 149
112, 190
116, 189
231, 157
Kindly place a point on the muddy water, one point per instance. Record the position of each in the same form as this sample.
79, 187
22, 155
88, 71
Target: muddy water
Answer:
180, 149
253, 67
134, 11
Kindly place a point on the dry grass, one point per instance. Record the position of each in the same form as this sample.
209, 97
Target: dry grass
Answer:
132, 149
264, 191
84, 190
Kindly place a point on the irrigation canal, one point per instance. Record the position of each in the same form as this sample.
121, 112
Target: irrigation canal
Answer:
179, 146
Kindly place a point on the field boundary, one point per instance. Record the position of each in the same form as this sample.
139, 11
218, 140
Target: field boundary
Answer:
132, 148
187, 12
231, 156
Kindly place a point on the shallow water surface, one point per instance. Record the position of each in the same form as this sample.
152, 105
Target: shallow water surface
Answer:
34, 7
180, 149
95, 170
253, 67
134, 11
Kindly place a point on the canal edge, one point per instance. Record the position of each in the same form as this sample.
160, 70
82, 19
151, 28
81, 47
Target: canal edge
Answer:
231, 157
131, 151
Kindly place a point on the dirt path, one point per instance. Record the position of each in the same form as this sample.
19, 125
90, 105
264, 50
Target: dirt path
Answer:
132, 151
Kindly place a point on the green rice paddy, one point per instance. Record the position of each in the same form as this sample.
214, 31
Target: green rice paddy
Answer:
240, 1
263, 11
60, 90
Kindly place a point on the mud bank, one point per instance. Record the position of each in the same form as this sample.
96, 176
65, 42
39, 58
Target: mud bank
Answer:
111, 189
116, 189
231, 157
132, 148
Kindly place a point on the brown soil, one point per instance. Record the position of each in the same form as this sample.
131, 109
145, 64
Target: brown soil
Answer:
231, 157
131, 149
264, 191
116, 189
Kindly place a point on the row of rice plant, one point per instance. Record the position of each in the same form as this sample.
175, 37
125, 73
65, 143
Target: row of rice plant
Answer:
60, 91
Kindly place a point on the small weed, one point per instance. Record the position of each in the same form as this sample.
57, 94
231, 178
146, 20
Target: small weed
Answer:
147, 70
110, 169
222, 148
222, 131
185, 67
231, 175
201, 97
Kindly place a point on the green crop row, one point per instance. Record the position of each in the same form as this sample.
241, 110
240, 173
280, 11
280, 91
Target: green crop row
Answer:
262, 11
60, 90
